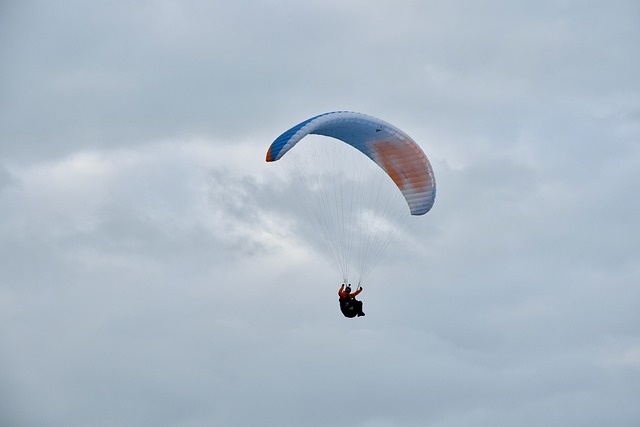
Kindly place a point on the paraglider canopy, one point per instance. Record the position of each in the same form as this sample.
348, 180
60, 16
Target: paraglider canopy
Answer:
389, 147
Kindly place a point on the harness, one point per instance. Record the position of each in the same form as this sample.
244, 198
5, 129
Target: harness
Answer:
347, 307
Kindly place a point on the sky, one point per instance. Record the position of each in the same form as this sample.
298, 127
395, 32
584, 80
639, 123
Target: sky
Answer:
153, 271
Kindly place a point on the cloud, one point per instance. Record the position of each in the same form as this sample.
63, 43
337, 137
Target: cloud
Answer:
155, 270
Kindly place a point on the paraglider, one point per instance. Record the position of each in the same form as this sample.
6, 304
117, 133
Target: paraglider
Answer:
355, 197
349, 305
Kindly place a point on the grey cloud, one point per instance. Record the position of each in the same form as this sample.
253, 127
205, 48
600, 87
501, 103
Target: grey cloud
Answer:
6, 179
154, 271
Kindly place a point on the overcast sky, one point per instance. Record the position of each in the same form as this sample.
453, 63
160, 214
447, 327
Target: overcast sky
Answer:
152, 275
